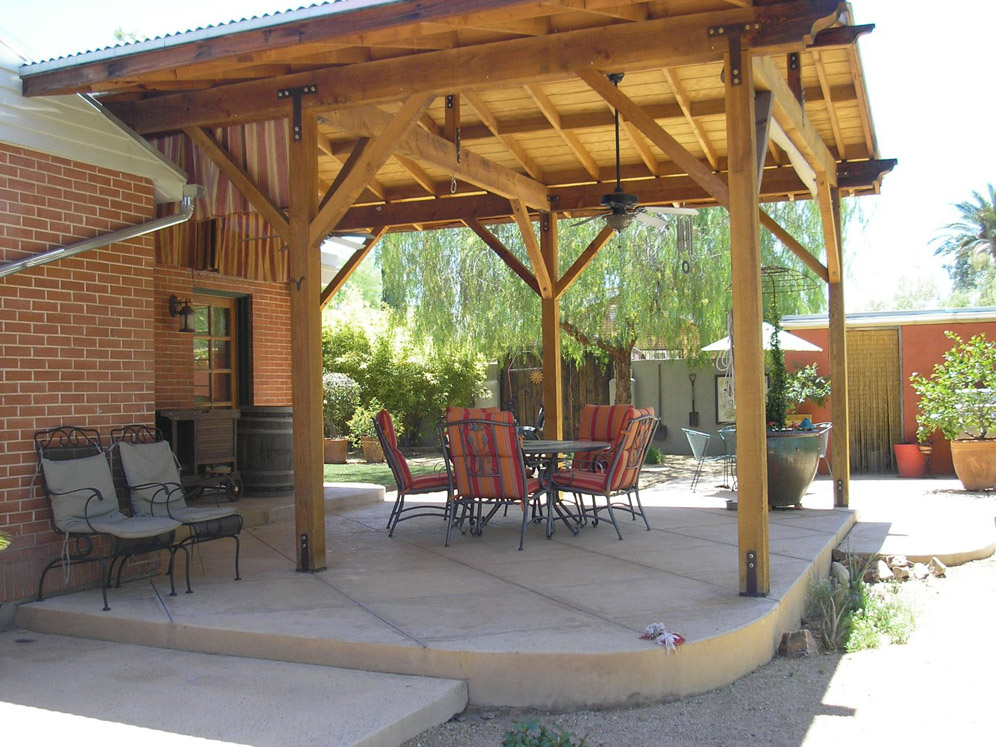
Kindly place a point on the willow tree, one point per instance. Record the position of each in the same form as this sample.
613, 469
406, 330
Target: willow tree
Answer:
640, 290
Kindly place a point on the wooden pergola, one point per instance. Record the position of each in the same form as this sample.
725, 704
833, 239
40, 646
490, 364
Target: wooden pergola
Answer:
408, 115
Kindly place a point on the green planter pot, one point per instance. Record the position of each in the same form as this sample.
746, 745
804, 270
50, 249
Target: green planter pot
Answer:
792, 460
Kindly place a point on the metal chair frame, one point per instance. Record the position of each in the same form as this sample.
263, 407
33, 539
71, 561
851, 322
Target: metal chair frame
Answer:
728, 433
471, 506
65, 443
824, 429
198, 529
400, 512
699, 443
632, 443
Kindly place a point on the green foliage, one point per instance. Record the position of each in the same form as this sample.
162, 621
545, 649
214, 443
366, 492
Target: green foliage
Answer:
4, 540
536, 734
856, 616
340, 397
960, 395
361, 424
654, 456
776, 404
806, 384
971, 240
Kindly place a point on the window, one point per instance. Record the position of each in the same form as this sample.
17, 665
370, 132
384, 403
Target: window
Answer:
215, 352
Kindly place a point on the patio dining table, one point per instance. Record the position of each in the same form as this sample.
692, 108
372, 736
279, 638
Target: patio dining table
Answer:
546, 454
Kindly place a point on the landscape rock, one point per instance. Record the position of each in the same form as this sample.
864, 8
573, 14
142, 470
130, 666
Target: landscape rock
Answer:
839, 572
899, 561
937, 568
920, 571
883, 570
901, 574
797, 643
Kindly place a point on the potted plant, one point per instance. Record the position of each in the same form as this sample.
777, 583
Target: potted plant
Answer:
341, 396
959, 400
793, 454
363, 432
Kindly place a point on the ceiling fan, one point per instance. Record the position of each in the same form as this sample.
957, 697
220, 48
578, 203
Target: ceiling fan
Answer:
624, 208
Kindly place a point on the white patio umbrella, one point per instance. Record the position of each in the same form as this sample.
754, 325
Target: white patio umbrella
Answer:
787, 339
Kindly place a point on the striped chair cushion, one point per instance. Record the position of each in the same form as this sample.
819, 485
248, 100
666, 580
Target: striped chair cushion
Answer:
435, 480
584, 481
627, 470
389, 442
487, 455
601, 423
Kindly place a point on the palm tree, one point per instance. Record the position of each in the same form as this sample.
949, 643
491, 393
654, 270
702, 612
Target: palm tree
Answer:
974, 232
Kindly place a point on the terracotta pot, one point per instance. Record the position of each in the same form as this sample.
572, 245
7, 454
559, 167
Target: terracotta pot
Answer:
372, 451
909, 460
335, 450
975, 463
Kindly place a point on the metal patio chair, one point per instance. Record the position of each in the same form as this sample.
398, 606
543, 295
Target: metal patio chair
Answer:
77, 479
152, 474
486, 466
407, 483
824, 429
728, 433
699, 443
621, 476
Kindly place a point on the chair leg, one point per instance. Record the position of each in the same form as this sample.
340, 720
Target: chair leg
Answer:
695, 477
612, 515
399, 506
522, 531
639, 504
238, 548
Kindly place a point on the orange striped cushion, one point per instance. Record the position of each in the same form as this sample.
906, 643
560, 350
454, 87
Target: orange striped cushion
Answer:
487, 456
601, 423
438, 480
390, 443
628, 469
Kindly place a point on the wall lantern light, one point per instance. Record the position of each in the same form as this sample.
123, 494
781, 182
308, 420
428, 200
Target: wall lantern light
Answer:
182, 308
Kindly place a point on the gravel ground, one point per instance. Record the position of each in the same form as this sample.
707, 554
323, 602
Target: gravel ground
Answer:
937, 689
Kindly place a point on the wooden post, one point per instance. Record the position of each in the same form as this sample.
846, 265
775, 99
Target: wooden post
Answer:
748, 346
553, 395
840, 447
306, 350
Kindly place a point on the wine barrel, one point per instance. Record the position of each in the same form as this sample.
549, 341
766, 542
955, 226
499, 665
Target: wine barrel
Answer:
266, 451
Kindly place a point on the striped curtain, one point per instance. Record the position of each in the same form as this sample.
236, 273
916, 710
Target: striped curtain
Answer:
226, 234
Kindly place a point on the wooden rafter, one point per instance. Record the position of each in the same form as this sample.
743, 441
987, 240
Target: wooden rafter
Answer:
432, 149
420, 175
271, 212
503, 253
618, 47
325, 147
685, 103
570, 139
489, 120
374, 154
828, 103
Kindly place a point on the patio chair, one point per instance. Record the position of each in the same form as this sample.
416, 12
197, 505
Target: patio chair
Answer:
620, 477
486, 467
699, 443
728, 433
76, 477
601, 423
152, 474
408, 484
534, 432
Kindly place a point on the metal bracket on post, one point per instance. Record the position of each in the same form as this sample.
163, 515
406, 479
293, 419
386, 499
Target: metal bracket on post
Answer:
305, 562
838, 499
751, 573
734, 33
296, 94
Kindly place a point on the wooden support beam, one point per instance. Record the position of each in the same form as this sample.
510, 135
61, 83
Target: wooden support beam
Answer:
489, 120
376, 152
271, 212
794, 246
417, 173
748, 345
829, 209
325, 146
840, 448
503, 253
348, 268
792, 119
436, 150
796, 157
306, 351
544, 278
553, 393
618, 47
763, 106
571, 140
685, 102
347, 168
821, 75
583, 260
629, 110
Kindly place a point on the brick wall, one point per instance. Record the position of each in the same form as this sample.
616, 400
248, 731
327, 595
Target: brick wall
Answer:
76, 342
88, 340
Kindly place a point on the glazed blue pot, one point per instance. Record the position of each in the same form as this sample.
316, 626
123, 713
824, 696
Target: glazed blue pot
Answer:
793, 457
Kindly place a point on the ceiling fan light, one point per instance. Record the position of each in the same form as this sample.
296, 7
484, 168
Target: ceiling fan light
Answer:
619, 221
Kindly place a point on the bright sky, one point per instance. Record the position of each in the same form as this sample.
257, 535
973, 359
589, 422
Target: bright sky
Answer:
927, 68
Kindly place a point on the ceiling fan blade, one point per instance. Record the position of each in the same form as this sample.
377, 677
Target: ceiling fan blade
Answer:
665, 210
351, 241
589, 220
651, 220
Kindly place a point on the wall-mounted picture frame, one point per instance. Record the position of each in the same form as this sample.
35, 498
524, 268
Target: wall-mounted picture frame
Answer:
726, 406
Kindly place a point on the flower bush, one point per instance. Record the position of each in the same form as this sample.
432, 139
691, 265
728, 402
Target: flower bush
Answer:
960, 395
341, 396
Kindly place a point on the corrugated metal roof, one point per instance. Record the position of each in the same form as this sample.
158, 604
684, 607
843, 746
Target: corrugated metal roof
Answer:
201, 33
895, 318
